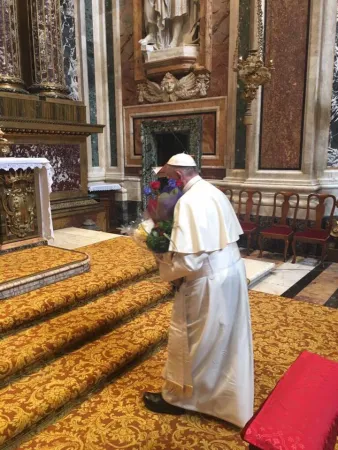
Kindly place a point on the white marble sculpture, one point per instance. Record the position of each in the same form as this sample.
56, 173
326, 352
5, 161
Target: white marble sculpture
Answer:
165, 21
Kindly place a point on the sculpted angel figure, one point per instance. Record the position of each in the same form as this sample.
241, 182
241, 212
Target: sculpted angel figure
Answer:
171, 89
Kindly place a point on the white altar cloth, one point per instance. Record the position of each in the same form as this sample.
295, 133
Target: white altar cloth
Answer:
43, 185
97, 187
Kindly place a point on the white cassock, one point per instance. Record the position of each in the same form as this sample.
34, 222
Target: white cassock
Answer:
210, 356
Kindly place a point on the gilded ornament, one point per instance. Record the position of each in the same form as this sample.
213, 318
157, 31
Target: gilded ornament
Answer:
253, 74
252, 71
4, 144
334, 231
18, 202
172, 89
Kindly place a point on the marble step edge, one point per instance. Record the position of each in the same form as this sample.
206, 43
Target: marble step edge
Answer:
38, 280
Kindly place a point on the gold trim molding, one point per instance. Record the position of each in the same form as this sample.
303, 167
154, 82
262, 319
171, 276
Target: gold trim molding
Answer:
17, 126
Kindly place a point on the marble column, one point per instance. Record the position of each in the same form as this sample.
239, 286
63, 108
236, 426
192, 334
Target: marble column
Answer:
10, 69
48, 65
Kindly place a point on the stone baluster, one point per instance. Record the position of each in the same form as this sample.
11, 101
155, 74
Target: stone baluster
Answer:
47, 55
10, 69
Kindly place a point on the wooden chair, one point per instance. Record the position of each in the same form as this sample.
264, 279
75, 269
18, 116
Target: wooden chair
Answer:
280, 229
316, 234
226, 191
248, 225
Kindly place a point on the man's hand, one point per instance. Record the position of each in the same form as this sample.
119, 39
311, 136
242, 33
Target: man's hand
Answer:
158, 258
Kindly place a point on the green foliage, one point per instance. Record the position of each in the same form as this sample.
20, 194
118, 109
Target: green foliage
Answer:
158, 239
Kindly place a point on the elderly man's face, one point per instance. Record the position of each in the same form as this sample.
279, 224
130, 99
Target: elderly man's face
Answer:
171, 172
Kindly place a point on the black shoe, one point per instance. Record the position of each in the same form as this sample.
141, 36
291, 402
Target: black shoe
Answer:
156, 403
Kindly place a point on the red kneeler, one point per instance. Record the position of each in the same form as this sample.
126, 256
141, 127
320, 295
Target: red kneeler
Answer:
301, 413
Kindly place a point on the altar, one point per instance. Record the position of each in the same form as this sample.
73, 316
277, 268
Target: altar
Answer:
25, 213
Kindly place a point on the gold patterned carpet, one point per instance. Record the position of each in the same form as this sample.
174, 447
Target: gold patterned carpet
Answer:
48, 338
116, 419
34, 261
60, 389
113, 263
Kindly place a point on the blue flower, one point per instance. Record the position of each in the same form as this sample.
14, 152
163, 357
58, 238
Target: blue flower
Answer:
147, 190
172, 183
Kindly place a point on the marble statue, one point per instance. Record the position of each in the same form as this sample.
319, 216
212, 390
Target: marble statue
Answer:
171, 89
165, 21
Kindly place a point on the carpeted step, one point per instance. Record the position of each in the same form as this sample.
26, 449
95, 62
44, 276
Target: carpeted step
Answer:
36, 260
57, 335
33, 398
113, 263
116, 418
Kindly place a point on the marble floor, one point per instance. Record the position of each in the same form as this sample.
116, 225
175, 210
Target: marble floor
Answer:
307, 280
72, 238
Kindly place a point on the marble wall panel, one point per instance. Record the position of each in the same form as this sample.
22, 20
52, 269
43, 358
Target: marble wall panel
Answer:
220, 48
91, 78
111, 81
332, 161
287, 29
64, 158
243, 50
129, 96
69, 47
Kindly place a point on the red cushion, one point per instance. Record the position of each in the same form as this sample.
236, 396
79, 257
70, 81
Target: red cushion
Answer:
302, 410
248, 226
284, 231
321, 235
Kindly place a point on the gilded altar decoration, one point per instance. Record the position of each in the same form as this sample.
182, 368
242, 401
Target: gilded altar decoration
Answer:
4, 144
172, 89
18, 202
252, 71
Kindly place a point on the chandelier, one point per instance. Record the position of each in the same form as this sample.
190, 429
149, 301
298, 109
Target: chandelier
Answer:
251, 71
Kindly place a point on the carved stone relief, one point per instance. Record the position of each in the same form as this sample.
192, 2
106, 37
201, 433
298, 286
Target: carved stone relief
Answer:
172, 89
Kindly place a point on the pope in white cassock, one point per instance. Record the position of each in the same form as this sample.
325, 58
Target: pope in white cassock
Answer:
210, 357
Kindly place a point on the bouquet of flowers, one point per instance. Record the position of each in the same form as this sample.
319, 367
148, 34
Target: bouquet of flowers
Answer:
154, 230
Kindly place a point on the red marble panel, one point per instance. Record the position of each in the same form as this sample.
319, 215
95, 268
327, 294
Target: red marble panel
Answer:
129, 96
220, 48
283, 98
64, 159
